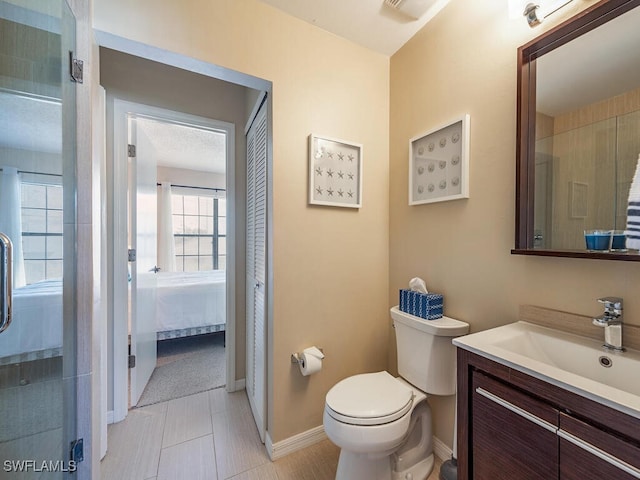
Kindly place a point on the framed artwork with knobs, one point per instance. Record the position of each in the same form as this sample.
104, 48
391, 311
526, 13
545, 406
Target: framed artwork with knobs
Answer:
335, 172
439, 163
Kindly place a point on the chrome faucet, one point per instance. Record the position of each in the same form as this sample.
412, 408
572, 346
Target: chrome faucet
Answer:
611, 320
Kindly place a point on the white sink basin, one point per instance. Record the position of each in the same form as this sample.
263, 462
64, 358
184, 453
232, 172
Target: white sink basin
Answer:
566, 360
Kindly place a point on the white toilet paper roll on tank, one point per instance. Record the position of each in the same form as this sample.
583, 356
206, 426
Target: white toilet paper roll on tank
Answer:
310, 361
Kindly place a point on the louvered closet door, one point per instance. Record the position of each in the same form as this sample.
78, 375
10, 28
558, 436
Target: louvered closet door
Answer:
256, 255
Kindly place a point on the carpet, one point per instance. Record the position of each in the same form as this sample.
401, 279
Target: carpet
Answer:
186, 366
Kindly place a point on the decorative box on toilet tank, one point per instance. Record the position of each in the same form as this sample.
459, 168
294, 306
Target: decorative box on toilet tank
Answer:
424, 305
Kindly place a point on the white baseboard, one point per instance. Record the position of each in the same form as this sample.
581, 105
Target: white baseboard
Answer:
295, 443
109, 417
441, 450
315, 435
240, 384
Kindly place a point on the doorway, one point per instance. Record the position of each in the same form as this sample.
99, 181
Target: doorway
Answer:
177, 228
171, 175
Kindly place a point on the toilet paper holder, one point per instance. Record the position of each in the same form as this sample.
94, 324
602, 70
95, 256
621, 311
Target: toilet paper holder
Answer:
295, 357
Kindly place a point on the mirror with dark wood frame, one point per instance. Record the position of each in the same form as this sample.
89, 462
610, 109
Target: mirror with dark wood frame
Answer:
578, 134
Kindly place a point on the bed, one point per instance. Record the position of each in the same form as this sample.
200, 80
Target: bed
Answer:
36, 328
190, 303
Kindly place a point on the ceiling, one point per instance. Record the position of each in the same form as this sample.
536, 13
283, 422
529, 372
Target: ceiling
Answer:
600, 64
183, 146
370, 23
30, 123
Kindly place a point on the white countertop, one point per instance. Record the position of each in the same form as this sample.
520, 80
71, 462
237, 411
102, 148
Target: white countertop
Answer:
562, 359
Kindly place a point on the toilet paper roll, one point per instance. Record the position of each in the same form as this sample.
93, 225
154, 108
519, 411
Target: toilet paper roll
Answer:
315, 351
310, 361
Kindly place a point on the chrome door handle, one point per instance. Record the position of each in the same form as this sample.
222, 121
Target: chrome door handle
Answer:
517, 410
6, 279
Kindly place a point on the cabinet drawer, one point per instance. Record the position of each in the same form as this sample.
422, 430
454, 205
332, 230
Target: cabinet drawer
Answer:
522, 400
513, 435
588, 453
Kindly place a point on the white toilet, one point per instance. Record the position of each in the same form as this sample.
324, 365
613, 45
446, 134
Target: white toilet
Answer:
383, 424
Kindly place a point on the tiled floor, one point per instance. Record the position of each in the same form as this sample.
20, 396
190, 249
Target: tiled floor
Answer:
208, 436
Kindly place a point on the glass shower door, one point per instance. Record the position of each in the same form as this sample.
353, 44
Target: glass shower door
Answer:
38, 217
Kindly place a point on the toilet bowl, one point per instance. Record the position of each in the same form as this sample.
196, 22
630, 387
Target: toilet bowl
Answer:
381, 423
370, 417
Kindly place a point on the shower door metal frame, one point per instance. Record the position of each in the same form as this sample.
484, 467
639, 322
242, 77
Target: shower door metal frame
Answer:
6, 281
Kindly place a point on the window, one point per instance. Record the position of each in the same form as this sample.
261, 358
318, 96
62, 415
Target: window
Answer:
41, 209
200, 231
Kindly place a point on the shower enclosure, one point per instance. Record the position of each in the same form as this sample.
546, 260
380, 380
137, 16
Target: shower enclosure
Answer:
582, 178
37, 250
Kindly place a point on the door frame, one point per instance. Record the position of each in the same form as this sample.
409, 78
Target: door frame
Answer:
121, 110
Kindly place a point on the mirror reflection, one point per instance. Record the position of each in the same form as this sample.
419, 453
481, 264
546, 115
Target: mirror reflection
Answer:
587, 137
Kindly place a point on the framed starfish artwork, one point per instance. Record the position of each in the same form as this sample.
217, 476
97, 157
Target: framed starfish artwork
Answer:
335, 172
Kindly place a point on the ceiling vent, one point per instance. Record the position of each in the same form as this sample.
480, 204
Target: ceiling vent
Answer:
412, 8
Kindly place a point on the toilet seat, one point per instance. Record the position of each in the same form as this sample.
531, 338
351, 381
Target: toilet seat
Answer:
369, 399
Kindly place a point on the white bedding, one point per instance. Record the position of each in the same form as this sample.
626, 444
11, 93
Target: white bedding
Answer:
192, 299
36, 324
186, 302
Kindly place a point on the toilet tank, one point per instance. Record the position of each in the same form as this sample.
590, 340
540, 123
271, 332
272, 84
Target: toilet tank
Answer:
426, 356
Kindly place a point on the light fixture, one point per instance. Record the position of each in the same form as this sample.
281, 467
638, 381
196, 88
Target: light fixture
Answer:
531, 14
535, 13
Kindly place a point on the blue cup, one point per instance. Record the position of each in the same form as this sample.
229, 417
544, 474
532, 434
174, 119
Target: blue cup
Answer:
618, 241
597, 240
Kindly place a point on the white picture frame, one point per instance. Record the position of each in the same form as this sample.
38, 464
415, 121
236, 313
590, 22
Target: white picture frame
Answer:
335, 172
439, 163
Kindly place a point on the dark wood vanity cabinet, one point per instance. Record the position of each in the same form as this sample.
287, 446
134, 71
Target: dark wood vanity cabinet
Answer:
512, 426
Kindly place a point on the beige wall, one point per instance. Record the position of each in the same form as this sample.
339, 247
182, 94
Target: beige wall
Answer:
330, 264
465, 61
